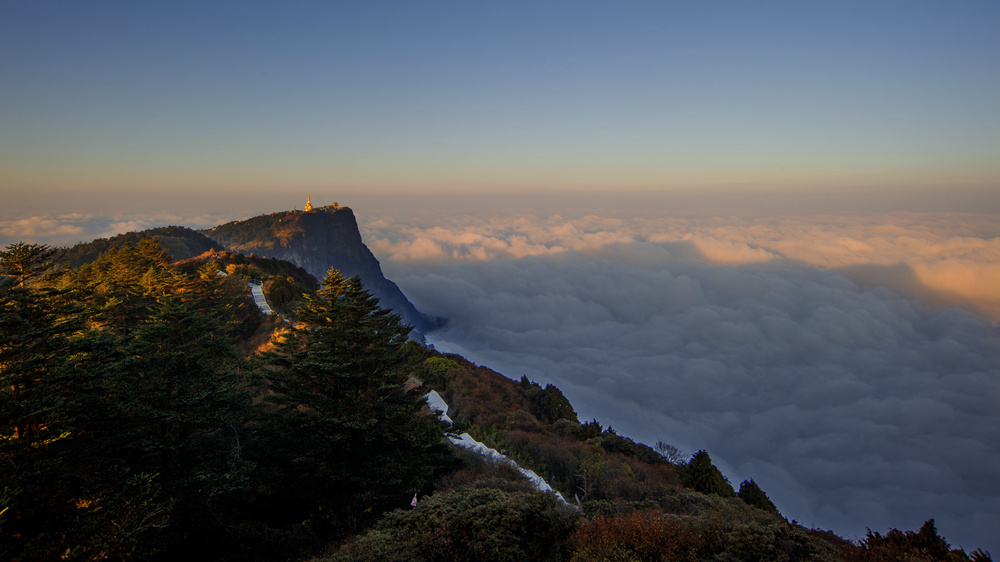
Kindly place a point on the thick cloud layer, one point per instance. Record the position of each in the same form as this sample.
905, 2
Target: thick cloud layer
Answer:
944, 259
851, 404
67, 229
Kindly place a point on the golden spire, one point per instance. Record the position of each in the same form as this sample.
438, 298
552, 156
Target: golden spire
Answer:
309, 205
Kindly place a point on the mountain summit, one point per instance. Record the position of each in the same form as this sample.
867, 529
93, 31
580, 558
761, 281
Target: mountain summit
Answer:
317, 239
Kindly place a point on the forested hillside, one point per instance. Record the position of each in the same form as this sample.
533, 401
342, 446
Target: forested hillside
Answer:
180, 242
149, 411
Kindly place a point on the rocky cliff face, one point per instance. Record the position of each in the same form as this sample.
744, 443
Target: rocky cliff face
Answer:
317, 240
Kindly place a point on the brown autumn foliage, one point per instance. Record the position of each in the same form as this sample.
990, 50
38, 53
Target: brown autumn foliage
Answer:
478, 395
647, 534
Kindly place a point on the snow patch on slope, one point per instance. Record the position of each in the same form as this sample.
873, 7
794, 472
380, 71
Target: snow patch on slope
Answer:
436, 403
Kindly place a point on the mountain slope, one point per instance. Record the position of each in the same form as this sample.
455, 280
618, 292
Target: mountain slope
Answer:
318, 240
142, 420
181, 242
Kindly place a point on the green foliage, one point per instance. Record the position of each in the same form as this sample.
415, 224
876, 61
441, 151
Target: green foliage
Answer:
209, 270
612, 442
701, 475
122, 285
36, 400
244, 272
478, 396
469, 524
284, 283
180, 243
590, 430
361, 442
751, 493
113, 524
548, 403
124, 395
21, 261
436, 370
285, 294
923, 545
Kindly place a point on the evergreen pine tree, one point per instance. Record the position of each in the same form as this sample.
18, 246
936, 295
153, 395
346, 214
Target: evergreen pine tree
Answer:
701, 475
360, 441
22, 261
35, 425
751, 494
121, 406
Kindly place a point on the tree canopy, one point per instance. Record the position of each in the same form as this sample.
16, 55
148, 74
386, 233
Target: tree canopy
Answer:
751, 493
337, 383
22, 261
701, 475
132, 427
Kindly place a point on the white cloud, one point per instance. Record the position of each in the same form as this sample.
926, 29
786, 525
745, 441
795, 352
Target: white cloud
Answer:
40, 228
68, 229
946, 259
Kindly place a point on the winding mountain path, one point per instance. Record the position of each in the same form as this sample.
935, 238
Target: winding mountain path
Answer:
466, 441
258, 297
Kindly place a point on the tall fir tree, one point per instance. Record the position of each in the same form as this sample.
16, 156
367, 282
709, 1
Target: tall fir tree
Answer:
123, 408
22, 261
359, 441
752, 494
703, 476
37, 399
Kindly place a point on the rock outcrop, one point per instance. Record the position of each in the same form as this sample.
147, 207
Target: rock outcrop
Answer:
317, 240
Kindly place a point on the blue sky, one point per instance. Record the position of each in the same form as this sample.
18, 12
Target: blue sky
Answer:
512, 97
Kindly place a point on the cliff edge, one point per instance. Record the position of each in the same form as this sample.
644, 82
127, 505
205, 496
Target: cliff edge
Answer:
316, 240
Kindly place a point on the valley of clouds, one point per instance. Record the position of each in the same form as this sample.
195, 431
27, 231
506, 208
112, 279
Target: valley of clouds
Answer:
811, 354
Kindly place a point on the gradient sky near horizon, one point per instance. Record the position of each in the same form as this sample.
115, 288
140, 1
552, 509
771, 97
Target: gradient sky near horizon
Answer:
475, 97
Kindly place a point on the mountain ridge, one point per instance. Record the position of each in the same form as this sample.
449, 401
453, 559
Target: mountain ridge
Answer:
180, 241
317, 240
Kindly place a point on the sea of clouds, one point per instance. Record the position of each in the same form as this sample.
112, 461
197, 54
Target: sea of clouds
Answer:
68, 229
850, 365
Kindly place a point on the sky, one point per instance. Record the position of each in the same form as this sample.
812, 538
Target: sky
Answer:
501, 97
766, 229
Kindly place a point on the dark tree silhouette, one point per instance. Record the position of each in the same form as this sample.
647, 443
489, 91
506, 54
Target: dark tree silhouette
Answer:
751, 494
703, 476
361, 441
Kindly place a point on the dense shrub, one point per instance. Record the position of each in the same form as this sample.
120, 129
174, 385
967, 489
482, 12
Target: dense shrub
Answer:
472, 523
647, 534
548, 403
751, 493
590, 430
479, 396
701, 475
923, 545
614, 443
